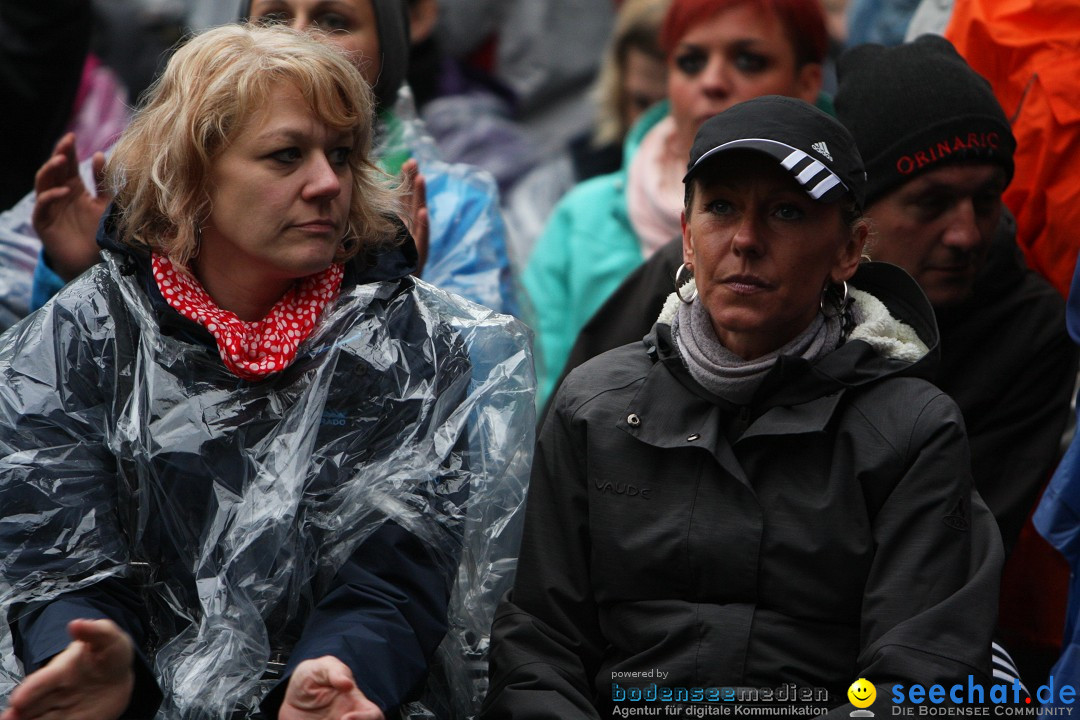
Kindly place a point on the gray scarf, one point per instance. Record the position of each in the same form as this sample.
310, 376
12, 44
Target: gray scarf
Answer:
725, 374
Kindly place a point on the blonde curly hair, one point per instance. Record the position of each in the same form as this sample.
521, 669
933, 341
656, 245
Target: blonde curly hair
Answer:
210, 88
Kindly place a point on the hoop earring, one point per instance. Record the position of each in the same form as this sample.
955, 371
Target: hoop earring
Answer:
841, 304
679, 282
198, 242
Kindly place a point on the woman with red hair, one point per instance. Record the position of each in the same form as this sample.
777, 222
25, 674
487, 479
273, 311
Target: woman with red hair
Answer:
718, 53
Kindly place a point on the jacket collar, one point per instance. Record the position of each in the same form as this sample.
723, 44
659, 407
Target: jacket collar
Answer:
671, 409
641, 127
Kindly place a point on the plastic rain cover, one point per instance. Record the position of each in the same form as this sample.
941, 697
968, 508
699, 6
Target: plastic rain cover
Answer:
467, 253
123, 445
19, 248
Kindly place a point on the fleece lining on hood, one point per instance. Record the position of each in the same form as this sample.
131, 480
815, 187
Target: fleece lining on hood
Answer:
392, 25
874, 324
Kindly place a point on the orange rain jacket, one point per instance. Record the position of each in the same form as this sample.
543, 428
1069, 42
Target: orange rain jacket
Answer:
1029, 50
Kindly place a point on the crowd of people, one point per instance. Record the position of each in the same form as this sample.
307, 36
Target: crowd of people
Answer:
516, 359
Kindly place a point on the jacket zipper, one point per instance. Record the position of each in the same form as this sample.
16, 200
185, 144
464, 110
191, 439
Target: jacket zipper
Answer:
742, 421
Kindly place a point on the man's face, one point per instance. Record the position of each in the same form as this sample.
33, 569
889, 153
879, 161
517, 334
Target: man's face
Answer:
938, 226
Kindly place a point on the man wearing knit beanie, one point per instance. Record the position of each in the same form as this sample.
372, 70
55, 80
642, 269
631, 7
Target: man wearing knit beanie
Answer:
915, 110
938, 152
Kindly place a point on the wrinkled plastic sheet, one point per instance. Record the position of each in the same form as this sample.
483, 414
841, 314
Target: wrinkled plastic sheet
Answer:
467, 253
19, 248
95, 438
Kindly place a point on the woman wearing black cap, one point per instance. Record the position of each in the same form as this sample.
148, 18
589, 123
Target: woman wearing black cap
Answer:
767, 492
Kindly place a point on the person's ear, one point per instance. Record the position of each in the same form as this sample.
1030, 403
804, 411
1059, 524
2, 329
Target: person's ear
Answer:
850, 253
423, 16
687, 240
808, 80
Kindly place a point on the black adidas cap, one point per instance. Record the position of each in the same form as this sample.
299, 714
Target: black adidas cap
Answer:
811, 145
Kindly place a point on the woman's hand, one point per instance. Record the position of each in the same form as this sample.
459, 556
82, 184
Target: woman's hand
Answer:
66, 214
91, 679
417, 218
323, 689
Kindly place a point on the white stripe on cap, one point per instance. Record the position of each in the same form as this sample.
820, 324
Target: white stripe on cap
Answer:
793, 159
815, 177
824, 186
810, 171
807, 174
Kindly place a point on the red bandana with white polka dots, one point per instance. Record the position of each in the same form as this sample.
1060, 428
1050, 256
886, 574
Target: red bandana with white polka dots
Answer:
252, 350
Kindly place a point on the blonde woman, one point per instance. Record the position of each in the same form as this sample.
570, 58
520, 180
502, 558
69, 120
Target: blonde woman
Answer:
253, 423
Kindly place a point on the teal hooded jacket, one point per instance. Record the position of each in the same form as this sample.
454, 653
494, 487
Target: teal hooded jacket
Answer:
587, 248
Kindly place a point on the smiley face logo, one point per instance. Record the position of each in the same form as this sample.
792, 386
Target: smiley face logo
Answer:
862, 693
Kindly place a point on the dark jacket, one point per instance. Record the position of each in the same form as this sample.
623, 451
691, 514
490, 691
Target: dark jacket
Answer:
225, 523
825, 532
1006, 360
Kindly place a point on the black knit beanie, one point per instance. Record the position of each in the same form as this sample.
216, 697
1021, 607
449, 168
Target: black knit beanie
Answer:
392, 24
915, 107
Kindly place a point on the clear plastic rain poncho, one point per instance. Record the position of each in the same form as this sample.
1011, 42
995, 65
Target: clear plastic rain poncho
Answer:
19, 248
130, 454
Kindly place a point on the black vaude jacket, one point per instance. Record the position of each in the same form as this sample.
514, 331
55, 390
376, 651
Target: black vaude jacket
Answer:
826, 532
1009, 363
1005, 359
